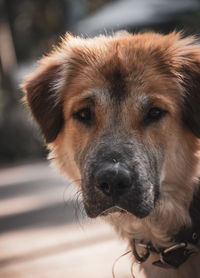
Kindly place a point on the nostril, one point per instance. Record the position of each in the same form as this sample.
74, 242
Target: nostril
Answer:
105, 188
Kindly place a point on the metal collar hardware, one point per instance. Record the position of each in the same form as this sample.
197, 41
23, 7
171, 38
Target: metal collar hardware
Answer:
171, 257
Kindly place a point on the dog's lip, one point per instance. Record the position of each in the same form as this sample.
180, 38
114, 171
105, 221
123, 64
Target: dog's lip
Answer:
113, 210
104, 212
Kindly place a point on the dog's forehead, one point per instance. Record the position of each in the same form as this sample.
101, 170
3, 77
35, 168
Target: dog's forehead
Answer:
121, 70
134, 71
127, 94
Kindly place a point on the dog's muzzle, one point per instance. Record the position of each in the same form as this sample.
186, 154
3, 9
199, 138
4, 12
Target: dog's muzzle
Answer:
114, 186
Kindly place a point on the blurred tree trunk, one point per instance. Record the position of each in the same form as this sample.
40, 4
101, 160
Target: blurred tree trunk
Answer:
7, 62
17, 140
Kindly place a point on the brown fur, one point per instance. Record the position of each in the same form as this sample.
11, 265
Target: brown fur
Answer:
125, 75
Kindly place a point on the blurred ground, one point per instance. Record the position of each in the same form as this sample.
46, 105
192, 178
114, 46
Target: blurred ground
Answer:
44, 234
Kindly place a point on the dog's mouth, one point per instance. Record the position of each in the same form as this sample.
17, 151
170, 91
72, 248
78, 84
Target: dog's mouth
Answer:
114, 209
138, 207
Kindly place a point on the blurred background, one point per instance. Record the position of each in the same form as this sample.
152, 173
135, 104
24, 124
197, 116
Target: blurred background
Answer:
44, 232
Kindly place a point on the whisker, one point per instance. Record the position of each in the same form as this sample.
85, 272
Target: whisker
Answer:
51, 157
116, 261
79, 209
132, 274
76, 198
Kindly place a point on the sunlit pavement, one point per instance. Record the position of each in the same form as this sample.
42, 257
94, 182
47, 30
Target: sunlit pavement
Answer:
44, 232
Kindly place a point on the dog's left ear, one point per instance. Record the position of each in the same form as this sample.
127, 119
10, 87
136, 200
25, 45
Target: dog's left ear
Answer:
189, 74
191, 110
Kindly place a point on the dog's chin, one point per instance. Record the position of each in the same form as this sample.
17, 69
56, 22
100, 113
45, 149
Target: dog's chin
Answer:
139, 213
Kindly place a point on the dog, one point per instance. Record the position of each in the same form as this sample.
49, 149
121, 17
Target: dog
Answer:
121, 116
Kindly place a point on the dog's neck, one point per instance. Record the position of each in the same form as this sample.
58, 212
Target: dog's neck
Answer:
182, 245
186, 233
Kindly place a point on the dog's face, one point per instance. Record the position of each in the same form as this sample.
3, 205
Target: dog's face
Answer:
120, 114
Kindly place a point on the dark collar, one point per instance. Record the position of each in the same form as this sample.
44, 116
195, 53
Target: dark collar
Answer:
183, 245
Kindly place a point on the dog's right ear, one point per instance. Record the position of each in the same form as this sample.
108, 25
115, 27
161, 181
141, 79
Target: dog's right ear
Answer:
43, 97
189, 76
44, 88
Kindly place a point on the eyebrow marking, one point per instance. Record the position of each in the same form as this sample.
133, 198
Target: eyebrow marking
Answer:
100, 95
142, 101
94, 95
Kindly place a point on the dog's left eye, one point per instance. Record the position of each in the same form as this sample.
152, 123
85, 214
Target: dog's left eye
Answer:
84, 115
154, 114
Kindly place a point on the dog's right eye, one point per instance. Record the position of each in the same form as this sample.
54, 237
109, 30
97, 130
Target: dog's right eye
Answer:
84, 116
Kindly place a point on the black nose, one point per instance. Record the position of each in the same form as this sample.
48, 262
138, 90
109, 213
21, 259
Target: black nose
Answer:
113, 179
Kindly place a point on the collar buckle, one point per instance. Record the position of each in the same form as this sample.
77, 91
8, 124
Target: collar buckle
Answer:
174, 256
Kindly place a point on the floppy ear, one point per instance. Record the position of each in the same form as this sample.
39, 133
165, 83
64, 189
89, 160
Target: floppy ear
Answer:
189, 74
191, 110
43, 96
